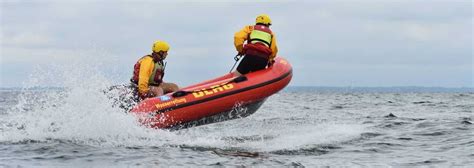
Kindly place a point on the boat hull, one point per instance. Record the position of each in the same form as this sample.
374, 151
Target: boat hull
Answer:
223, 98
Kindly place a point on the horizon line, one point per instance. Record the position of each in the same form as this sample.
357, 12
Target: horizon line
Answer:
306, 86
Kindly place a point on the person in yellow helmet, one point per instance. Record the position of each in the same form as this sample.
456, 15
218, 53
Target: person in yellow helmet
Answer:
261, 47
149, 70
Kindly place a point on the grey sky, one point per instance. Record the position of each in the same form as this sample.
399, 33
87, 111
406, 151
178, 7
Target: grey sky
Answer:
329, 43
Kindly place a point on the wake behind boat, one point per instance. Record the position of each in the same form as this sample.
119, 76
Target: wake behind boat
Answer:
215, 100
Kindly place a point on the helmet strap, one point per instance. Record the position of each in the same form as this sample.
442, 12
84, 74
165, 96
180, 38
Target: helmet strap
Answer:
157, 56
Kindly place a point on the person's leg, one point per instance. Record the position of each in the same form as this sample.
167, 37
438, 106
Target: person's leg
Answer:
251, 63
169, 87
156, 90
244, 66
258, 63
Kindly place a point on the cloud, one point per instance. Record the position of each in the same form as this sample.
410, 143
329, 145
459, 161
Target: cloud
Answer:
27, 39
331, 37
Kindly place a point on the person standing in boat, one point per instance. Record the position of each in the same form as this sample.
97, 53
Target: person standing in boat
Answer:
261, 47
149, 71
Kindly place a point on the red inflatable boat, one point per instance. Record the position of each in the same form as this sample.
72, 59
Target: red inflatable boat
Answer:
224, 98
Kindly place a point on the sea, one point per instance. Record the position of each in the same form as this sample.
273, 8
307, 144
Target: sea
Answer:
296, 127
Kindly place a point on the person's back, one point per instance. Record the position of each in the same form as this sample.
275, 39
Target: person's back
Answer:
260, 49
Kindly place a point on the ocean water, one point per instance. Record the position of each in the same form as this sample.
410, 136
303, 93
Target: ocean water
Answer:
77, 127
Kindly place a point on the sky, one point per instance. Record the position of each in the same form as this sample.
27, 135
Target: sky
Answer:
356, 43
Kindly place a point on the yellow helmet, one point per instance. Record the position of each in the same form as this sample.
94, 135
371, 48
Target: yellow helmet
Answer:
160, 46
263, 19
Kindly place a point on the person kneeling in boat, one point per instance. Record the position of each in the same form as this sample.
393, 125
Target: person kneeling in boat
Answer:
148, 73
261, 47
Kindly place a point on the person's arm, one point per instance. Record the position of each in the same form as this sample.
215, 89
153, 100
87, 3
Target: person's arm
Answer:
273, 47
240, 37
144, 75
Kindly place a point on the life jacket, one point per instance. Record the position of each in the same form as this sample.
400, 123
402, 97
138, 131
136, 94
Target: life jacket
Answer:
157, 74
259, 42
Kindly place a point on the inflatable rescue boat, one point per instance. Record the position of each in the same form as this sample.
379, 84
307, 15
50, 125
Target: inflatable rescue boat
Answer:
223, 98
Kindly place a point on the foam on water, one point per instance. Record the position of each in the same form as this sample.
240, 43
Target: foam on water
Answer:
81, 113
78, 124
267, 139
